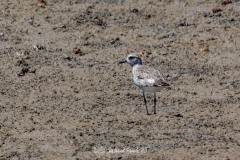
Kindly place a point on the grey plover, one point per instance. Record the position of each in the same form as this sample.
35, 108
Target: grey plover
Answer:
146, 78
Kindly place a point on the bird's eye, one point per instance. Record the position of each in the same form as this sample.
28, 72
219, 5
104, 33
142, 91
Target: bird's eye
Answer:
131, 58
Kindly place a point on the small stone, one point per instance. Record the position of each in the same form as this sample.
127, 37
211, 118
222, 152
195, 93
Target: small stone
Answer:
41, 3
134, 10
216, 9
23, 71
225, 2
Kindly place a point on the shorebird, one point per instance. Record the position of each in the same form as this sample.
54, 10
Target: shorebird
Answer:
146, 78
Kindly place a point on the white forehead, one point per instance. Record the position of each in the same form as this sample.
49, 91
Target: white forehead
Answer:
132, 55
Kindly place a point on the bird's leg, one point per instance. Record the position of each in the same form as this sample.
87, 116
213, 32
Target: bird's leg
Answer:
145, 101
155, 101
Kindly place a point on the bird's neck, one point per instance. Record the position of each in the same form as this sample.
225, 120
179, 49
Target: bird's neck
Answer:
137, 64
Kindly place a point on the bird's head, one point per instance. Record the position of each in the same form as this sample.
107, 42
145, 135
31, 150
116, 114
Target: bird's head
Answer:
132, 59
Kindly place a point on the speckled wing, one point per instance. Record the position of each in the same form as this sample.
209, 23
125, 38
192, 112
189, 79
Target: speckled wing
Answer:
147, 76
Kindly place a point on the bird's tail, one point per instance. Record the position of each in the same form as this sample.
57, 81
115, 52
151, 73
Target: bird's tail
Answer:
161, 82
166, 85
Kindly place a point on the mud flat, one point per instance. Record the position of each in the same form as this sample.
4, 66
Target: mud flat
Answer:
64, 96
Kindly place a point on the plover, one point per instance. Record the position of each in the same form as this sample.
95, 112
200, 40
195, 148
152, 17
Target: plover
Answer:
146, 78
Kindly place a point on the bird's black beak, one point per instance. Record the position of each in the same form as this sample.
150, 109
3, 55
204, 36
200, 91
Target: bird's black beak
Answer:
125, 61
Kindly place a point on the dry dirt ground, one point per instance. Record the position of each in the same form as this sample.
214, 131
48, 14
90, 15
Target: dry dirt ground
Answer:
63, 94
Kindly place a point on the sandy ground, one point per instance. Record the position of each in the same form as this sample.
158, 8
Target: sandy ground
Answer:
64, 96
